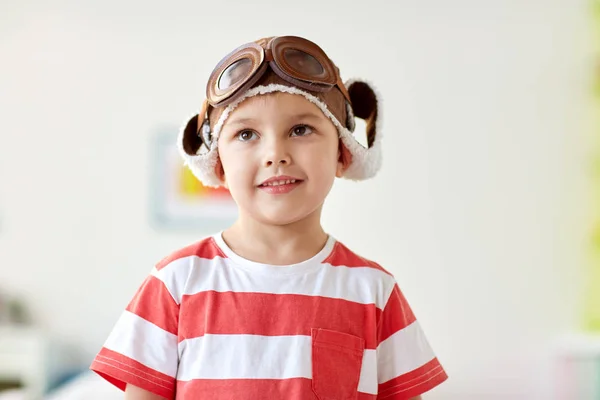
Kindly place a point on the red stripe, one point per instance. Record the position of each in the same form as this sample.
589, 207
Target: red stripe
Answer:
206, 248
274, 315
121, 370
343, 256
396, 315
413, 383
271, 389
154, 303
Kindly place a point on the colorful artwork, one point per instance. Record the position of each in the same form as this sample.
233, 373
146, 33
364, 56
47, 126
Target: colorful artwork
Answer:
179, 200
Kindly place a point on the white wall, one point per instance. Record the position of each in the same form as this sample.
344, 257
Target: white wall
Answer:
479, 210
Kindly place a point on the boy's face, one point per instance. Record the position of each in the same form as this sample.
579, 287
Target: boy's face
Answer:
281, 136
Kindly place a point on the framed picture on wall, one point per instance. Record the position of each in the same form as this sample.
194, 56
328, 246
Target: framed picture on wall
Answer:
179, 200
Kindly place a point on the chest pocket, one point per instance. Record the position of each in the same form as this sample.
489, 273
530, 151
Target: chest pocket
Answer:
336, 364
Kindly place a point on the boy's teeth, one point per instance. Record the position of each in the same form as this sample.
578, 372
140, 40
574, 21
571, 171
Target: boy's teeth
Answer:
277, 183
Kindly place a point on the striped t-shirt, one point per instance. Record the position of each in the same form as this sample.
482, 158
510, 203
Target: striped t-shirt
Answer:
209, 324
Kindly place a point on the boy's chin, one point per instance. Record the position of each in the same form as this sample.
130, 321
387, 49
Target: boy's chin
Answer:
280, 217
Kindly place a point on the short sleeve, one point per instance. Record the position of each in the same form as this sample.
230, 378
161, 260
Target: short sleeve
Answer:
406, 364
141, 350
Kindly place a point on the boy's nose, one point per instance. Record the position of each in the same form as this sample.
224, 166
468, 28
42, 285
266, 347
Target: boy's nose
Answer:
277, 160
276, 153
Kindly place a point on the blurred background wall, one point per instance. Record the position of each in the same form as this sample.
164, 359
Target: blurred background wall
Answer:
480, 211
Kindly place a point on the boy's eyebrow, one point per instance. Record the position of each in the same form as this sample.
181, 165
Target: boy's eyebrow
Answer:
306, 115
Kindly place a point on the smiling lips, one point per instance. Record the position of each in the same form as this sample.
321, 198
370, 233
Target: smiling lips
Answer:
280, 184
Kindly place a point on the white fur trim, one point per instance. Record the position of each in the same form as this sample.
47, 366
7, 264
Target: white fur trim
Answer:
365, 162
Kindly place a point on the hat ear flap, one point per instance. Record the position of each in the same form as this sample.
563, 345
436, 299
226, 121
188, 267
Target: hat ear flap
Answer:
365, 106
196, 133
190, 140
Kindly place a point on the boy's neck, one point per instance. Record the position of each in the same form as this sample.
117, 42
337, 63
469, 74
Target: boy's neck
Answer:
276, 244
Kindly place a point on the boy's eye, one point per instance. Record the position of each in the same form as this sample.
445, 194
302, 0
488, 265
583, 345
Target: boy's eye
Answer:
301, 130
246, 135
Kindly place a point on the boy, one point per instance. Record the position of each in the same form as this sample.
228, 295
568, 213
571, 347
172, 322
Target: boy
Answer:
273, 307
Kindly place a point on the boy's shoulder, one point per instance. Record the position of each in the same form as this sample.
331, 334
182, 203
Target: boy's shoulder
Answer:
206, 248
343, 256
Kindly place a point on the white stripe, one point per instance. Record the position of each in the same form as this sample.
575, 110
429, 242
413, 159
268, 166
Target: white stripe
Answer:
175, 275
191, 275
144, 342
258, 357
404, 351
368, 373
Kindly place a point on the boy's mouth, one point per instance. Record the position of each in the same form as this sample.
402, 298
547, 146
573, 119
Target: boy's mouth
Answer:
280, 184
